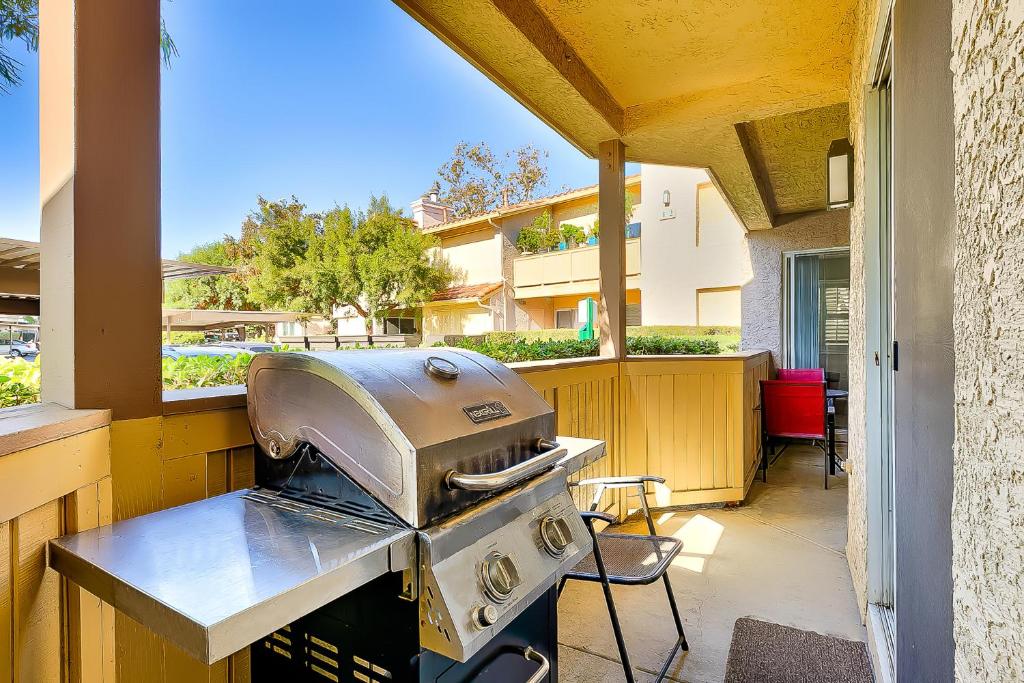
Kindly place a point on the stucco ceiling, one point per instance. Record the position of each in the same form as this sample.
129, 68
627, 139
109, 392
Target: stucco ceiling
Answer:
694, 83
789, 152
649, 50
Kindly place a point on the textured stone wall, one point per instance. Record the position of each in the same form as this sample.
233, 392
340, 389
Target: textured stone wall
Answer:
857, 519
988, 464
761, 298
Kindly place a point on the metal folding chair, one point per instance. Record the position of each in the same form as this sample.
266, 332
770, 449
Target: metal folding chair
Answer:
628, 560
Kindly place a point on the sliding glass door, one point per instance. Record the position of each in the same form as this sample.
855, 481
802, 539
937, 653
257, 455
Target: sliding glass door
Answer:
817, 306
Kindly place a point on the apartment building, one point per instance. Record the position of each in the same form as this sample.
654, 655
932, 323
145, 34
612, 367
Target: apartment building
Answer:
686, 260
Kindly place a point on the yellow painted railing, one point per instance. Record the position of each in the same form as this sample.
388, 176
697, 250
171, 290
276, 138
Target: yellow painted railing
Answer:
188, 454
55, 472
586, 402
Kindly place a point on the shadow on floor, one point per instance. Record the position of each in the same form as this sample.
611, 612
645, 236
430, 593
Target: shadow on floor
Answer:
779, 557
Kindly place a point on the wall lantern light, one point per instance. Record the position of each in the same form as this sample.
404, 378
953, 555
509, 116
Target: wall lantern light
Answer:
666, 197
839, 175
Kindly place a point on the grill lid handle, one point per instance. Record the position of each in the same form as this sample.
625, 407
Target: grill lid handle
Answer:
551, 453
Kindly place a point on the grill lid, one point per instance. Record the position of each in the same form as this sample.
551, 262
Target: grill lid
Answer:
399, 421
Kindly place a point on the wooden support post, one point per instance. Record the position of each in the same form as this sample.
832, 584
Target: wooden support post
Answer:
99, 173
612, 213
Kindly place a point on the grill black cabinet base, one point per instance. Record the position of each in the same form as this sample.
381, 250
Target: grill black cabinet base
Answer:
371, 636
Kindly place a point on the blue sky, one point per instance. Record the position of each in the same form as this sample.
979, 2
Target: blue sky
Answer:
330, 102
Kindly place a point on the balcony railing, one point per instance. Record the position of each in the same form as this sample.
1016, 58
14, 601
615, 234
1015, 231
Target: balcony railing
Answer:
571, 271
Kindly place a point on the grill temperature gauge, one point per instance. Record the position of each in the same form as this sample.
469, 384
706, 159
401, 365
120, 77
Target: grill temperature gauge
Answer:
556, 535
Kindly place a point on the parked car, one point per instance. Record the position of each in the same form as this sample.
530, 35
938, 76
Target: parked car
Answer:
21, 349
200, 350
254, 347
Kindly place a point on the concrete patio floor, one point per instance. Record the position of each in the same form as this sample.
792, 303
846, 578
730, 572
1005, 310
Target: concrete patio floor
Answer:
779, 557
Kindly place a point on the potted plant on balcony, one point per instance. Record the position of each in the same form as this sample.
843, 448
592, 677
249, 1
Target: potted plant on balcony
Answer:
548, 230
594, 236
530, 240
572, 235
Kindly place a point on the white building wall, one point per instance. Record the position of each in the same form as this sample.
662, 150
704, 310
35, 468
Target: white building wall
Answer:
673, 265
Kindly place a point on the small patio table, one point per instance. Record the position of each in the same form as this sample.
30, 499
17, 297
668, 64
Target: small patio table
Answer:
832, 395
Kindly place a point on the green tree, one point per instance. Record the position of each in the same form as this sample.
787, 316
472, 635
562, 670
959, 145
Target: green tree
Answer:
19, 20
212, 292
375, 261
475, 180
276, 241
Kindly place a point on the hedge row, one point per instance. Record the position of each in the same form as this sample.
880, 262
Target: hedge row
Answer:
510, 347
190, 372
635, 331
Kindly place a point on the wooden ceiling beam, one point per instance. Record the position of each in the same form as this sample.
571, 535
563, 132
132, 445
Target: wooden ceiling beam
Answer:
538, 29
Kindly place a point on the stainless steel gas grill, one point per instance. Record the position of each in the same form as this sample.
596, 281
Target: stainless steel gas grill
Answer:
410, 522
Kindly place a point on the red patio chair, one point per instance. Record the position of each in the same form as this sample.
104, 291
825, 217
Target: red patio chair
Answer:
801, 374
795, 410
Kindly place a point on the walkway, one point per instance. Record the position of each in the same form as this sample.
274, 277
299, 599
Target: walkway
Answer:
780, 558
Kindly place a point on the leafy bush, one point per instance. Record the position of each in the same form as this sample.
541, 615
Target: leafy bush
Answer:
530, 239
684, 330
186, 338
571, 233
19, 381
658, 346
517, 349
189, 372
541, 233
510, 347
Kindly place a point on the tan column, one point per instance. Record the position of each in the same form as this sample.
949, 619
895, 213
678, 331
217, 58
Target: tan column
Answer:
99, 172
612, 213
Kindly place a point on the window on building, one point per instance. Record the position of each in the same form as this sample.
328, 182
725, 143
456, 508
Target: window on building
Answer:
633, 317
718, 306
396, 325
565, 319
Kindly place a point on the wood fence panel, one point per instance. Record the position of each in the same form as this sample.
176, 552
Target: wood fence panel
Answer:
585, 399
693, 421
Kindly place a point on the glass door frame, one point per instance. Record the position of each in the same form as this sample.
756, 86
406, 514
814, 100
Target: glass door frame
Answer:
788, 289
880, 312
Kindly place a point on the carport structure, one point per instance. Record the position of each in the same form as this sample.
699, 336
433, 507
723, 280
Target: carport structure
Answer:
19, 275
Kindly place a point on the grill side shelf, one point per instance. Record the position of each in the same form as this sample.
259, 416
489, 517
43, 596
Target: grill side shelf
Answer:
216, 575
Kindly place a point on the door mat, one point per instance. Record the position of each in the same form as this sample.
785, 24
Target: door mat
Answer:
763, 652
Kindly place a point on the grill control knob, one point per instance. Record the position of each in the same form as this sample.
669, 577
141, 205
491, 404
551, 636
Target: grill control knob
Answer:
485, 615
556, 535
500, 576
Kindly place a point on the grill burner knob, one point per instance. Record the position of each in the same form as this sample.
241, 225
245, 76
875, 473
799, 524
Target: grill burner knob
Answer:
500, 576
556, 535
485, 615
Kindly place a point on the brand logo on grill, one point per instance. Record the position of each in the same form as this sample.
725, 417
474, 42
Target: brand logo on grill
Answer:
485, 412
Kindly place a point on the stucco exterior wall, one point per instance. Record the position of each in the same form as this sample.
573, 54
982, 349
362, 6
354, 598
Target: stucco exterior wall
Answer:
761, 297
988, 468
857, 518
476, 255
673, 265
443, 318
